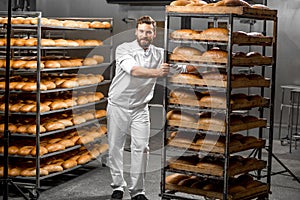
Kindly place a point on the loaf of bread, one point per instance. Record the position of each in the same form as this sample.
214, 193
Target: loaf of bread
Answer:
187, 34
178, 115
186, 53
218, 34
215, 53
236, 3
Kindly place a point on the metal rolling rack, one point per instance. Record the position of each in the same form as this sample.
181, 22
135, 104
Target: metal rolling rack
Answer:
230, 18
33, 184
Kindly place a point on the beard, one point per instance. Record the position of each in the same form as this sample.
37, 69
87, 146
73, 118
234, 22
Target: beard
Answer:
144, 42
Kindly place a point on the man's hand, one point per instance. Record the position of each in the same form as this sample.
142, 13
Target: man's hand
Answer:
163, 70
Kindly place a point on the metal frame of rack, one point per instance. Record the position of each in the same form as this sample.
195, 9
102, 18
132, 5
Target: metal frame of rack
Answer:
35, 182
186, 23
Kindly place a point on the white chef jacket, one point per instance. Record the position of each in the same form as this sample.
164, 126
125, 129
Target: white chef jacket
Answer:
129, 91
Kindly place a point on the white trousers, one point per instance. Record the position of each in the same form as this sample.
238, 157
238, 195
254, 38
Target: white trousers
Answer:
136, 122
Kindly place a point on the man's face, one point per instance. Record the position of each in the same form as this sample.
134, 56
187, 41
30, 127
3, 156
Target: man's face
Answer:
145, 34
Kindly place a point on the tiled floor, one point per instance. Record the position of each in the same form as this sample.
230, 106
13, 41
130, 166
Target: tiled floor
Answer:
94, 182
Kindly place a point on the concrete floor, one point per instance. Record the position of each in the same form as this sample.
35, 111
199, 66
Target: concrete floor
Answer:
93, 182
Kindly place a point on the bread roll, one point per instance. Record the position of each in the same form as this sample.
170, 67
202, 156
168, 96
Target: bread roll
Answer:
65, 63
13, 172
100, 113
76, 62
96, 24
78, 120
92, 43
12, 150
20, 42
69, 84
53, 168
51, 126
52, 64
66, 142
54, 147
25, 150
98, 58
61, 42
83, 159
31, 129
58, 104
47, 42
69, 164
43, 151
32, 172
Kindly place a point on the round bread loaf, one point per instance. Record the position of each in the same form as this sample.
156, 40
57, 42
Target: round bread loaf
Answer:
43, 150
51, 126
54, 147
98, 58
83, 159
100, 113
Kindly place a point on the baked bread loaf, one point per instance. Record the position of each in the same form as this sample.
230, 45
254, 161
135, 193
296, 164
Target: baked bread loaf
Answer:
187, 34
178, 115
218, 34
215, 53
186, 53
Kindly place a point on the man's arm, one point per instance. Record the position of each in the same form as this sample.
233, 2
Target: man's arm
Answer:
143, 72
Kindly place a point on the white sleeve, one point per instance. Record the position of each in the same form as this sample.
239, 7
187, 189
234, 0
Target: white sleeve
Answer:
124, 60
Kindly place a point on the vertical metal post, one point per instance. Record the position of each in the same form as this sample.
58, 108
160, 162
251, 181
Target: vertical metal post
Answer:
38, 100
272, 101
165, 103
7, 94
228, 108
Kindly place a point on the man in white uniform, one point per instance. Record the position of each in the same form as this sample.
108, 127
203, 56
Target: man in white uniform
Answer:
138, 64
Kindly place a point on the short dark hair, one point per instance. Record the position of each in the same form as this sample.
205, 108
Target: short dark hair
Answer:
146, 20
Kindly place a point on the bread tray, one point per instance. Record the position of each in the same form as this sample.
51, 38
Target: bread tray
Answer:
217, 170
251, 192
224, 10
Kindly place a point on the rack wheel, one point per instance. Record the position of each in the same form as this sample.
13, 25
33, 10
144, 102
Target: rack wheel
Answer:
34, 195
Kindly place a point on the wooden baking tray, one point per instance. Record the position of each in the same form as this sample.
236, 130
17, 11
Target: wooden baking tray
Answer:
218, 128
247, 61
244, 40
234, 106
221, 83
251, 192
239, 10
218, 170
217, 149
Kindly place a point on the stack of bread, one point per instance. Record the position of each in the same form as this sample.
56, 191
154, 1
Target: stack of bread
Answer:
198, 185
215, 34
57, 163
215, 166
213, 122
52, 123
48, 104
52, 82
57, 22
55, 143
213, 143
229, 3
214, 99
29, 42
